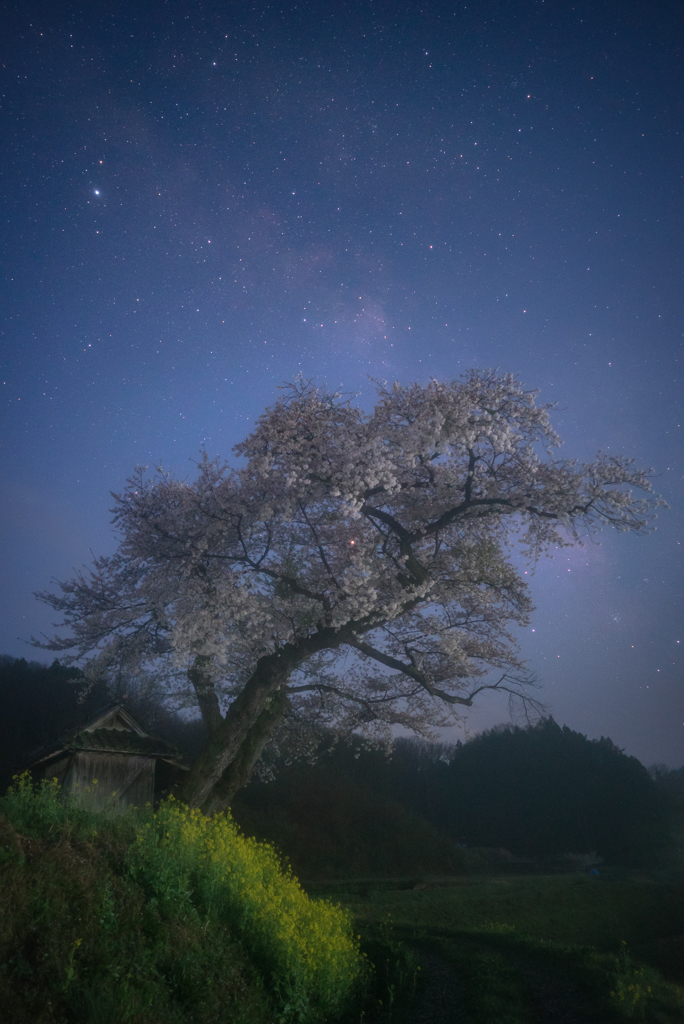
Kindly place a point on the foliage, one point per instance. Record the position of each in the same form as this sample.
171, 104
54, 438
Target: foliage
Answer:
354, 573
543, 791
137, 919
156, 919
35, 809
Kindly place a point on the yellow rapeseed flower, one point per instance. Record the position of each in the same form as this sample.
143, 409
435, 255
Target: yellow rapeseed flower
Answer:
309, 943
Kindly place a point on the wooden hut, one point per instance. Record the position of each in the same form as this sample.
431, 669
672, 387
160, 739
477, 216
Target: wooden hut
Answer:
110, 763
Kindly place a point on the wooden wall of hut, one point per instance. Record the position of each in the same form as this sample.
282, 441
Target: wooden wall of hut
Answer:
109, 781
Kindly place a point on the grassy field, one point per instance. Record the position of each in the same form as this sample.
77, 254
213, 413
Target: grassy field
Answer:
517, 950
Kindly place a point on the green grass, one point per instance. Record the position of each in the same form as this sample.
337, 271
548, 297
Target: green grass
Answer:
569, 908
521, 945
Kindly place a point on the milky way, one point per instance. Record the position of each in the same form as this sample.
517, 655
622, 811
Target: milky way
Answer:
202, 202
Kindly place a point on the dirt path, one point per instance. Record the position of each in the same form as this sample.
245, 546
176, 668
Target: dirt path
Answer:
553, 997
556, 998
442, 997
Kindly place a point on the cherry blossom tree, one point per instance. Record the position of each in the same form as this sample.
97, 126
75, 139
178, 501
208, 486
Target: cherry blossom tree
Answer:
354, 572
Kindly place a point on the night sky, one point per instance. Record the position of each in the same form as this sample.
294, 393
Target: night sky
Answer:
202, 200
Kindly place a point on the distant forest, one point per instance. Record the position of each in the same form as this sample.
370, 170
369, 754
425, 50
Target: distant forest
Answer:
535, 794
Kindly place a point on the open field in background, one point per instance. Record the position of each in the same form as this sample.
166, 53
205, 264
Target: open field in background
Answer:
501, 938
645, 911
522, 949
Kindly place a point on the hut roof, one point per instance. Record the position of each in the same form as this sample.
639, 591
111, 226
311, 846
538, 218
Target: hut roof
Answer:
112, 730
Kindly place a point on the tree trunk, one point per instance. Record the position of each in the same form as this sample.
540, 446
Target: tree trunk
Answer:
224, 744
239, 771
203, 683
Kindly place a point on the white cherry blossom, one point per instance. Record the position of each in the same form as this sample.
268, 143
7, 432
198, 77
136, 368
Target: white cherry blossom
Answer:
354, 572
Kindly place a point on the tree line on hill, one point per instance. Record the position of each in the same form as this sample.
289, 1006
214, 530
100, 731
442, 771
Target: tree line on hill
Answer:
541, 792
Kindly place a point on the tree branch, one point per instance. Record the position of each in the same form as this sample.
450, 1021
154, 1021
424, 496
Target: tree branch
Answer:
321, 552
407, 670
345, 695
201, 679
